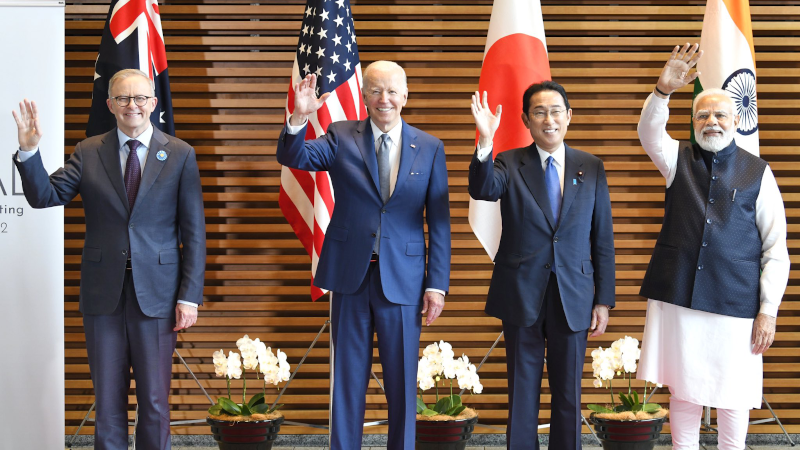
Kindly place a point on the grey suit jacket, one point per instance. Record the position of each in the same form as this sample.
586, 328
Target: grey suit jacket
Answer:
168, 213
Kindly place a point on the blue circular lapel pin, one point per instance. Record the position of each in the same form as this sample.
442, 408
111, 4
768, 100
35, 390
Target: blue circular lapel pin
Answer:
161, 155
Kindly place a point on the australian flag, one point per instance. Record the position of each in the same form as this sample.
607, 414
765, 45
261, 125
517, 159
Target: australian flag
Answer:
132, 39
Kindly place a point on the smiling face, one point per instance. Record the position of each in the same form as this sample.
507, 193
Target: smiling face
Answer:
385, 93
714, 122
132, 119
547, 119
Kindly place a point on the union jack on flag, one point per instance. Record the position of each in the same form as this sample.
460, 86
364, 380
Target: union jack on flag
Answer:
132, 39
327, 47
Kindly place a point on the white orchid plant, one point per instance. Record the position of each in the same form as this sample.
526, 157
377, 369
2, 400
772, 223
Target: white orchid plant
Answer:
438, 363
620, 359
256, 356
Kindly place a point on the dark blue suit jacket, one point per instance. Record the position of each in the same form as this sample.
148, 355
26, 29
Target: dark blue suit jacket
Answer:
580, 243
347, 152
168, 213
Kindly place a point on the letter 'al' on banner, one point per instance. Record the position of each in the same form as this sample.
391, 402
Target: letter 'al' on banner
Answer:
514, 58
31, 241
729, 63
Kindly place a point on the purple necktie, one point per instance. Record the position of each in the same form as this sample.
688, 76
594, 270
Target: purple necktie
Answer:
133, 172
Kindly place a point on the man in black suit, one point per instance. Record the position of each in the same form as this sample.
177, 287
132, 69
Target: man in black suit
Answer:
554, 271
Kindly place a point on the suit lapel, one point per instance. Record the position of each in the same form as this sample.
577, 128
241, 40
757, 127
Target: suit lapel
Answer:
571, 168
366, 144
153, 166
532, 173
109, 157
407, 155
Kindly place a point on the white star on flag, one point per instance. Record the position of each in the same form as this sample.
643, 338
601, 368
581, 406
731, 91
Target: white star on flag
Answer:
339, 20
331, 77
335, 57
337, 40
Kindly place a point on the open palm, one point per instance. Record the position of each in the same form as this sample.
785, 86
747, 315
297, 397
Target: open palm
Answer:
28, 130
675, 74
486, 122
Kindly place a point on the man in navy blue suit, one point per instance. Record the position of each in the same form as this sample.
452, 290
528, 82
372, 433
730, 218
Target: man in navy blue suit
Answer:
389, 178
554, 271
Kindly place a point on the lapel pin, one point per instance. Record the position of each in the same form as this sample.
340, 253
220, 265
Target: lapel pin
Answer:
574, 182
580, 176
161, 155
413, 146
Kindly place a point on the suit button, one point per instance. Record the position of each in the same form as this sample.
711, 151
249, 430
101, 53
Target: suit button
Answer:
700, 267
383, 211
705, 244
124, 252
555, 239
716, 161
131, 226
711, 200
547, 266
714, 178
373, 234
708, 220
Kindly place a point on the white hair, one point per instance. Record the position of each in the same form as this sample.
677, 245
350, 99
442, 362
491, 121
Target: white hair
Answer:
712, 91
127, 73
391, 65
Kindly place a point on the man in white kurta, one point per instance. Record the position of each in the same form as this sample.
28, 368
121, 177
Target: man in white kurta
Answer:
705, 348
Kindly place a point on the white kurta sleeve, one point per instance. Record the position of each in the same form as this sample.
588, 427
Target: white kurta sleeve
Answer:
658, 145
771, 223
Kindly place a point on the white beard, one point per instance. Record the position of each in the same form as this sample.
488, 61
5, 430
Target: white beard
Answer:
716, 143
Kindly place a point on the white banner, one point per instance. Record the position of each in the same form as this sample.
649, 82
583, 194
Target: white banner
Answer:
31, 241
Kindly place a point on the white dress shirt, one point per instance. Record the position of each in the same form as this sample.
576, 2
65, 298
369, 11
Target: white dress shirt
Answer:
770, 214
396, 134
141, 152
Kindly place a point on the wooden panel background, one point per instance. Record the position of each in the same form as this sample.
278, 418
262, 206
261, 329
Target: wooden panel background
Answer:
230, 63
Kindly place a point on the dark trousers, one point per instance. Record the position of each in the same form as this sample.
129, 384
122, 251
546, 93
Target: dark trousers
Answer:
354, 319
116, 343
525, 356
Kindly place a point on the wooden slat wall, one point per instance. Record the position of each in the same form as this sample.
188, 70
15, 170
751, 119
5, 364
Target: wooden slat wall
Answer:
230, 62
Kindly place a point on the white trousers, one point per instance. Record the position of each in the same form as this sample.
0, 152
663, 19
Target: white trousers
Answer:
684, 420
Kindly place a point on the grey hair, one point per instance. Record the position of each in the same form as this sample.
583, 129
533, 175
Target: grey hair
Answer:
391, 64
712, 91
127, 73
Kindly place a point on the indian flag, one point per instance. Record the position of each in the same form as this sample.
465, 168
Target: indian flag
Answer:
729, 63
515, 57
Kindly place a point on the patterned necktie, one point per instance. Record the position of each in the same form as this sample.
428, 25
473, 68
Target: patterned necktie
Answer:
553, 187
384, 172
133, 172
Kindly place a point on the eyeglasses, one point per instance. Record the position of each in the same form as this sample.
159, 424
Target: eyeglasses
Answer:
554, 113
139, 100
703, 116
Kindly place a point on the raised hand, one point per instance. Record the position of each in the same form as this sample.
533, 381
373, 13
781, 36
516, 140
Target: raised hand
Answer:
675, 74
305, 99
28, 130
486, 122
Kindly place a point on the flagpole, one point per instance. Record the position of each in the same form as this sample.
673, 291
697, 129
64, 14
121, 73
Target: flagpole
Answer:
330, 366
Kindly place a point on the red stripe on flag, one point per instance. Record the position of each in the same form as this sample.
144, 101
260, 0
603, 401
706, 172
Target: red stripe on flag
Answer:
315, 291
306, 182
345, 96
325, 189
296, 221
324, 118
362, 107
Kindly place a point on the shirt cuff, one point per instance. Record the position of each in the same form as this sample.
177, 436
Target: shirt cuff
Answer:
23, 156
435, 290
484, 153
184, 302
769, 309
294, 130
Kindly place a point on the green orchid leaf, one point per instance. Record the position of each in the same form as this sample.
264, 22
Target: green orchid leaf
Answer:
215, 410
626, 401
420, 405
455, 400
651, 407
429, 412
600, 409
245, 410
442, 405
257, 399
456, 411
620, 408
230, 407
276, 407
635, 398
261, 408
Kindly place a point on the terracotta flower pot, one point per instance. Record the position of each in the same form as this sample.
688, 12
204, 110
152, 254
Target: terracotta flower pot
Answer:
444, 435
255, 435
628, 434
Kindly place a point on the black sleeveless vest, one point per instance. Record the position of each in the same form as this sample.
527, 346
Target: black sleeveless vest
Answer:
708, 254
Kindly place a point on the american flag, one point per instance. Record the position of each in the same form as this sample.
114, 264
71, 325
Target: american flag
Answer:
327, 48
132, 39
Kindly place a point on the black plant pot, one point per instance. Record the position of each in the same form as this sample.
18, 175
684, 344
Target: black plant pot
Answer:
444, 435
628, 434
256, 435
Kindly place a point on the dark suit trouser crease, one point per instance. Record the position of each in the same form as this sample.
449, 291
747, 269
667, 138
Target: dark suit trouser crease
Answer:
116, 342
354, 319
525, 355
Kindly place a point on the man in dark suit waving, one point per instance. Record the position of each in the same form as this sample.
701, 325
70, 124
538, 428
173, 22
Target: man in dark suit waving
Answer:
389, 179
554, 271
142, 199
